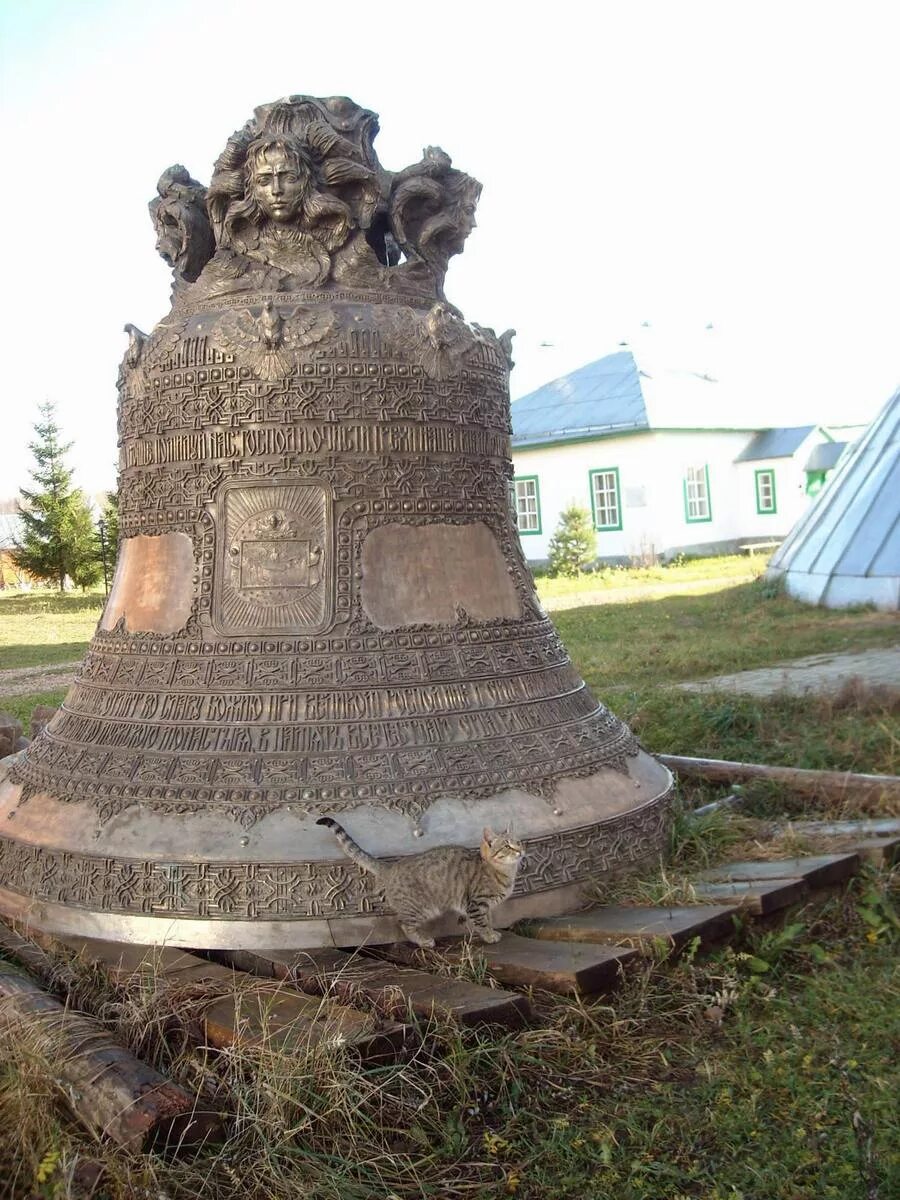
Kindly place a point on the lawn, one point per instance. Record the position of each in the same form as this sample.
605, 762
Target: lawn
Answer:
765, 1071
39, 628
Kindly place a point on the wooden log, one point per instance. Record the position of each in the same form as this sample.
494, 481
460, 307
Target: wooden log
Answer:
731, 801
109, 1090
393, 990
833, 785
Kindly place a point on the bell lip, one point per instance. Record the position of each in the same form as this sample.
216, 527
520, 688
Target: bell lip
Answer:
63, 921
310, 931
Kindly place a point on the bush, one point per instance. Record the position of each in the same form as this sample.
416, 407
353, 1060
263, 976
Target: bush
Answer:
573, 546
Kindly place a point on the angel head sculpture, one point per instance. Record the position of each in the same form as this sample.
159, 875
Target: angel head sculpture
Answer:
271, 179
184, 237
432, 211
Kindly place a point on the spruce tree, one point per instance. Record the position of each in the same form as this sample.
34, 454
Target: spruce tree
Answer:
574, 543
108, 536
58, 537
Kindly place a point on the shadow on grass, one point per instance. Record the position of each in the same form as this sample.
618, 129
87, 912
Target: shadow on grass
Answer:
22, 603
46, 654
667, 639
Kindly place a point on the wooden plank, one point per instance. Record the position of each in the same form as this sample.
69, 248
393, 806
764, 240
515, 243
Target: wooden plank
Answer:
393, 989
278, 1017
869, 828
627, 924
817, 870
569, 968
760, 897
123, 961
110, 1091
879, 851
246, 1011
831, 784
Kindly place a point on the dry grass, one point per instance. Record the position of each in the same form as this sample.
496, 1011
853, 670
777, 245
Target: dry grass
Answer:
604, 1097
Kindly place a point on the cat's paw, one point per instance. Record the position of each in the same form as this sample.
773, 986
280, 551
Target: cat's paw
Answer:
490, 936
425, 943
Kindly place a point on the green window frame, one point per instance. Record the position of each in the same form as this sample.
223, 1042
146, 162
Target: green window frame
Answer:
697, 502
606, 498
764, 481
528, 504
815, 481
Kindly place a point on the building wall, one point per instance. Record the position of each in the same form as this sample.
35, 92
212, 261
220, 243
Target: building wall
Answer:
791, 498
651, 470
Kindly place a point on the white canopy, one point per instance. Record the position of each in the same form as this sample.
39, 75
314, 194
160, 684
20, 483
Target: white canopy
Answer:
845, 549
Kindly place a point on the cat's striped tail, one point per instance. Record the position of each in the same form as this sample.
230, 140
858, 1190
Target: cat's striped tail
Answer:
350, 848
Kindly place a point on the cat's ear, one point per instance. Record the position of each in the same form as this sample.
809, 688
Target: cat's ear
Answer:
488, 834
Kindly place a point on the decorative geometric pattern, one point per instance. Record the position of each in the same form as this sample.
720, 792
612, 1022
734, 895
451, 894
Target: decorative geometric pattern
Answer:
223, 891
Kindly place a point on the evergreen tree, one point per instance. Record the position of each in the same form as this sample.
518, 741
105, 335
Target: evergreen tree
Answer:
574, 543
108, 536
58, 537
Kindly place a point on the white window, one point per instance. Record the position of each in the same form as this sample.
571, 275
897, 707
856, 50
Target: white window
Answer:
528, 505
765, 492
696, 495
605, 499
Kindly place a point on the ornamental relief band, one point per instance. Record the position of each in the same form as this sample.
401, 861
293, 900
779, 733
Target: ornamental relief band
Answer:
234, 891
321, 602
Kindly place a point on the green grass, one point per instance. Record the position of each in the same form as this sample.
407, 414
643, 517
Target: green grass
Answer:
734, 628
737, 1077
626, 652
678, 573
39, 628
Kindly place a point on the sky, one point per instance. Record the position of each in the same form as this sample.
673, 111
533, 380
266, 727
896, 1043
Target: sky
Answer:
649, 169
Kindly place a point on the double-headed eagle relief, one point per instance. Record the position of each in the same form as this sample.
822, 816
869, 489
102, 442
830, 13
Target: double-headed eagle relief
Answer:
321, 605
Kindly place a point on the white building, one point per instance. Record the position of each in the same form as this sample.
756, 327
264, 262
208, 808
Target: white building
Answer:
660, 462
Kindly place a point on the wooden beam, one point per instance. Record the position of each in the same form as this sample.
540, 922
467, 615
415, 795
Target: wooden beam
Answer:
637, 924
760, 897
109, 1090
833, 785
816, 870
243, 1009
570, 968
393, 990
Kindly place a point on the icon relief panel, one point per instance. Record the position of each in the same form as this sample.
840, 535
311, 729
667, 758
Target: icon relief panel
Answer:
275, 560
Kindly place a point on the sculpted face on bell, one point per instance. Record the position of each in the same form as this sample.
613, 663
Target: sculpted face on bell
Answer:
279, 184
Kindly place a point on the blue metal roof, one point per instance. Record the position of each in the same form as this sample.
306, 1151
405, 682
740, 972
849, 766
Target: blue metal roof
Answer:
824, 456
603, 397
775, 443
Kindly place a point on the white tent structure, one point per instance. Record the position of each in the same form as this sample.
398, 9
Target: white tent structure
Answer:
845, 549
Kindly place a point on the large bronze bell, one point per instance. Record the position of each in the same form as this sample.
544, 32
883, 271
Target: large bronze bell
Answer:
321, 605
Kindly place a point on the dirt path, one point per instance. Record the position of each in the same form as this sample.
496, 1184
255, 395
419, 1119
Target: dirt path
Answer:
22, 681
823, 673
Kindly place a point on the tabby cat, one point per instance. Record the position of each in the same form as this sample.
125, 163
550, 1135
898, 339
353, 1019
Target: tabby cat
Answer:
420, 887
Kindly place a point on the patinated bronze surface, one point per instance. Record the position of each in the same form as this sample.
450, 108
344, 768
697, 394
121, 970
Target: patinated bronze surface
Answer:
321, 604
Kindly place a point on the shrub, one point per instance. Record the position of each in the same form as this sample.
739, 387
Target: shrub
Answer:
573, 546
